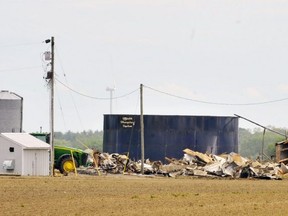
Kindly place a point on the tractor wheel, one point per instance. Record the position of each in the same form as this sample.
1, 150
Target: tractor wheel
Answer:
66, 165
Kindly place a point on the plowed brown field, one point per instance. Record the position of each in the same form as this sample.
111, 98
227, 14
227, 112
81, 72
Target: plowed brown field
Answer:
134, 195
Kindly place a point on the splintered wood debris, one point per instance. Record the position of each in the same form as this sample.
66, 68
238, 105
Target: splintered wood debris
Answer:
193, 163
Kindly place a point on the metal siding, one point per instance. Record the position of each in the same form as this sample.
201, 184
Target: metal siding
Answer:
167, 136
35, 162
10, 112
207, 142
5, 154
118, 137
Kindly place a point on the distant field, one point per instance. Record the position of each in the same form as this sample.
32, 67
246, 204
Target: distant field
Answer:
134, 195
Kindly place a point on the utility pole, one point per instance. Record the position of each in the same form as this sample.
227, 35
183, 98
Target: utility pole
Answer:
50, 77
262, 148
111, 96
142, 129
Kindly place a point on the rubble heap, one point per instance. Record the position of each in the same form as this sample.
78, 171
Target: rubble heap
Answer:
193, 163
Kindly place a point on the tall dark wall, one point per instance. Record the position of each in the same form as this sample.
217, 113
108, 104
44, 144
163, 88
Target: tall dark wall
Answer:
167, 136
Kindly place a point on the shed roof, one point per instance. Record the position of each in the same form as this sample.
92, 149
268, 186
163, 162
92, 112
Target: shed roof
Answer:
284, 142
26, 140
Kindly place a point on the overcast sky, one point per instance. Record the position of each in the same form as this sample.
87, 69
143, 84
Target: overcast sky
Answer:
214, 51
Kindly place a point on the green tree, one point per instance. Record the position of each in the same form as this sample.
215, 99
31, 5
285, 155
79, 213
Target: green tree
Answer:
90, 139
251, 142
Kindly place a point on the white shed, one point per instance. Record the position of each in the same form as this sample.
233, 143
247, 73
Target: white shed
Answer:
23, 154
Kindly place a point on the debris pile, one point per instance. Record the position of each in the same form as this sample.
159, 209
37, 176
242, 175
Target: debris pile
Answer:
193, 163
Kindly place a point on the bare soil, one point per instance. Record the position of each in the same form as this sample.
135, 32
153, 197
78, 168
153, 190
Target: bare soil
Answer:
141, 195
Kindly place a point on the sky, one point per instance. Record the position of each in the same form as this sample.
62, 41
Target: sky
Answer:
194, 57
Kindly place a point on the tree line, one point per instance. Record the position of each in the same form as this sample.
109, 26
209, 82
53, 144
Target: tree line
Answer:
82, 140
251, 141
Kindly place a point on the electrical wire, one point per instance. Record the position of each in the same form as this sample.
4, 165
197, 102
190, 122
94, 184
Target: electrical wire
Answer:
61, 109
19, 69
77, 112
23, 44
217, 103
93, 97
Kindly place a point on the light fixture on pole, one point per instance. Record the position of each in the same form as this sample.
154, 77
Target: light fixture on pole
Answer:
111, 96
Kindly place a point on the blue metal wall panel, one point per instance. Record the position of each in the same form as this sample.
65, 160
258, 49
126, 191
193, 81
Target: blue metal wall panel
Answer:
167, 136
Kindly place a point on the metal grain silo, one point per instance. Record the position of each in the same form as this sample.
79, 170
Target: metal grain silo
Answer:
11, 112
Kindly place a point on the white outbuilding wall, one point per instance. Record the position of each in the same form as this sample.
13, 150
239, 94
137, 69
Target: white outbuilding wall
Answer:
30, 155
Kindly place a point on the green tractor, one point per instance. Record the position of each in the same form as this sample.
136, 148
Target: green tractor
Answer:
63, 160
64, 156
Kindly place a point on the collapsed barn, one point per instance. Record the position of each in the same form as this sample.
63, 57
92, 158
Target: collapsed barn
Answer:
168, 135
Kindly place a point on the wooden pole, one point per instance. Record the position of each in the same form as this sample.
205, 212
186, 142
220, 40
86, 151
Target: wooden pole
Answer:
52, 107
142, 129
262, 148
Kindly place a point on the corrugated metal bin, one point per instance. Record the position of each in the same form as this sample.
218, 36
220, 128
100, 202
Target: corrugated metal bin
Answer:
11, 112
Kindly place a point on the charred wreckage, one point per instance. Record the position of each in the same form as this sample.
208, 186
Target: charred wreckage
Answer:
192, 163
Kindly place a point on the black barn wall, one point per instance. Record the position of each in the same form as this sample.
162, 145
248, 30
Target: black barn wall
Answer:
168, 136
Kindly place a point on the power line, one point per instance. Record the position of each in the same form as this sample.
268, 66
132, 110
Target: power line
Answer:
93, 97
22, 44
61, 109
20, 69
64, 74
218, 103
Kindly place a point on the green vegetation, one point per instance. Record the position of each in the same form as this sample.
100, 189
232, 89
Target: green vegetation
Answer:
82, 140
250, 141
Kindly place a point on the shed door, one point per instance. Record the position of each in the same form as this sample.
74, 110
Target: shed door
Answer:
36, 162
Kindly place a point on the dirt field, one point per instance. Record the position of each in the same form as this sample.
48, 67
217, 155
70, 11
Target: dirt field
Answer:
134, 195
